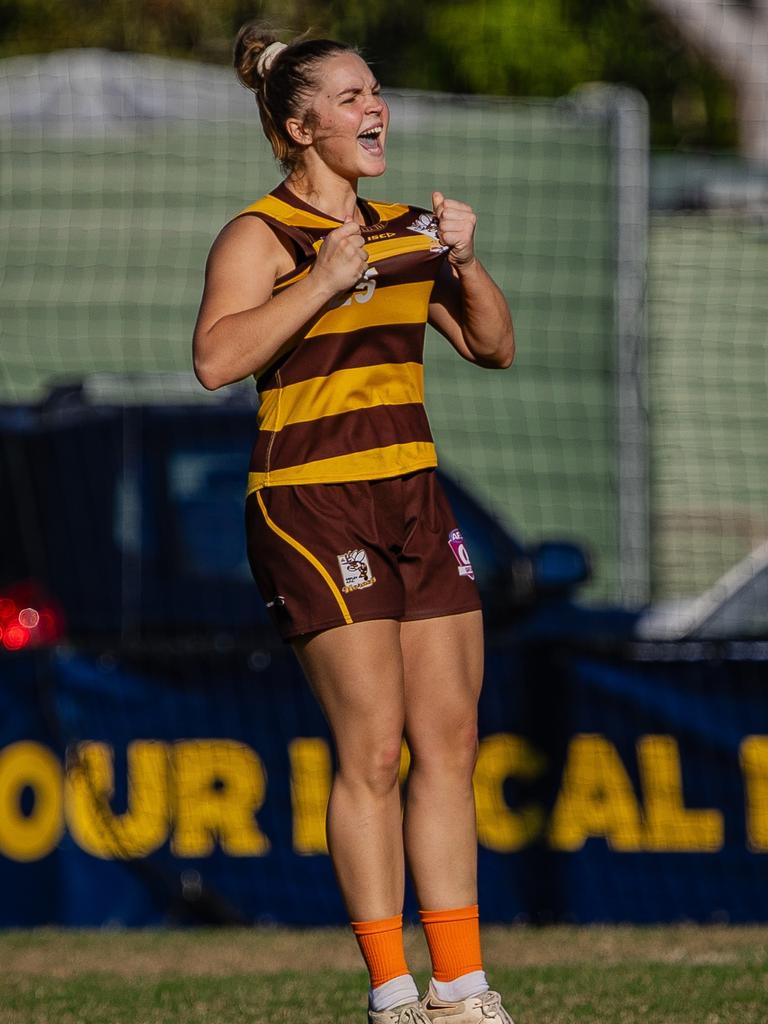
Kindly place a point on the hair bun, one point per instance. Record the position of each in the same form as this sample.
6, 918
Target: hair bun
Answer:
254, 51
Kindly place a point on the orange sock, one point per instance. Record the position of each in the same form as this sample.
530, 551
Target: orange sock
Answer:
453, 937
381, 943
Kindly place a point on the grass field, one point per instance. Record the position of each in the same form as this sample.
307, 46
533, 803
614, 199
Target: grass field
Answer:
677, 975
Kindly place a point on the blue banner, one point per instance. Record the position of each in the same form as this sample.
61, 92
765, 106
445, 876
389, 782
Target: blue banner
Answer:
628, 786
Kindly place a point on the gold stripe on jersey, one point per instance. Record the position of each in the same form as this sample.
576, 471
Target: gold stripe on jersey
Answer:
397, 246
388, 211
376, 251
373, 464
393, 246
316, 563
361, 387
287, 214
396, 304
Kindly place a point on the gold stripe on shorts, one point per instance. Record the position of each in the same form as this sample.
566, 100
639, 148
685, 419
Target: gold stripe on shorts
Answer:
309, 557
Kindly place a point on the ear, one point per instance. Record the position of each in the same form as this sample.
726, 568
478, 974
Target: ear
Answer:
298, 131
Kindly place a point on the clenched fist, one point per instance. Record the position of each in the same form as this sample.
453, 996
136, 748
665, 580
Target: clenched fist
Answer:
342, 259
456, 228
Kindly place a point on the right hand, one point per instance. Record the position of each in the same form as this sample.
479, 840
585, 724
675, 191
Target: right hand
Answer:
342, 259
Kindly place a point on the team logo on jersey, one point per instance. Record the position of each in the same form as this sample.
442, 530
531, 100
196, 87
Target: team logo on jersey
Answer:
425, 224
459, 548
355, 570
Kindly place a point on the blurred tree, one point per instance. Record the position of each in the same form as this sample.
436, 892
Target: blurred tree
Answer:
514, 47
544, 48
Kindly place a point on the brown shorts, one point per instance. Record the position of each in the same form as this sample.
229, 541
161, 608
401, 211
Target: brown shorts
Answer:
328, 554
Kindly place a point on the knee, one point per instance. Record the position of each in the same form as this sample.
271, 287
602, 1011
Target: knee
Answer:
450, 751
375, 767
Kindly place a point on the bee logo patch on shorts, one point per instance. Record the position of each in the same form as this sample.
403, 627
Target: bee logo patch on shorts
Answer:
355, 570
459, 548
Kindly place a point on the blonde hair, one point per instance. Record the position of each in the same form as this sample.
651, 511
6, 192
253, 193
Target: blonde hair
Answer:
283, 81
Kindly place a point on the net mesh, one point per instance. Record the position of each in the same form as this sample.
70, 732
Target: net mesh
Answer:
708, 367
119, 171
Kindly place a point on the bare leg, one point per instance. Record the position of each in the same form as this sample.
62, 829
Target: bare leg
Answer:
356, 673
443, 666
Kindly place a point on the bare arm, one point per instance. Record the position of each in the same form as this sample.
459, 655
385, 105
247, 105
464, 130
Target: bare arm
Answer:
240, 328
467, 306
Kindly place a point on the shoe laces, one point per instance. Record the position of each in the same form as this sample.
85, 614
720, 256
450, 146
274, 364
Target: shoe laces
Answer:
490, 1004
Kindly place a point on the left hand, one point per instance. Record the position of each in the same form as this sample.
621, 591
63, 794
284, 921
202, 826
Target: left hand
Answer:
456, 228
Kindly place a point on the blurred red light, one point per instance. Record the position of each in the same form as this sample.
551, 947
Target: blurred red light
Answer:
8, 609
29, 617
15, 637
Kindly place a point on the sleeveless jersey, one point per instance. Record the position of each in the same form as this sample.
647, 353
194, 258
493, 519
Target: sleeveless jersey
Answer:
346, 402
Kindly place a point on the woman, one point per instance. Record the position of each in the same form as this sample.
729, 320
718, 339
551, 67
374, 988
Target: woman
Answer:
323, 297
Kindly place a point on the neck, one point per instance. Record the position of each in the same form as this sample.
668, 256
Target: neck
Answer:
326, 191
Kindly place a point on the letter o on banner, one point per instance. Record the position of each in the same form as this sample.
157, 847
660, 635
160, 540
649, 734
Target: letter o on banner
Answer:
28, 765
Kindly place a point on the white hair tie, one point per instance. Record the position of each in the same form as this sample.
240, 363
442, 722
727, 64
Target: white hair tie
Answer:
267, 57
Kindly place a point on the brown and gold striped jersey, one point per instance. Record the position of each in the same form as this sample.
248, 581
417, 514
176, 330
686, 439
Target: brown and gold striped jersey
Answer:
346, 402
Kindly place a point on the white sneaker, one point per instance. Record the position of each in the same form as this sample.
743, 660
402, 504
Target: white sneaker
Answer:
410, 1013
485, 1008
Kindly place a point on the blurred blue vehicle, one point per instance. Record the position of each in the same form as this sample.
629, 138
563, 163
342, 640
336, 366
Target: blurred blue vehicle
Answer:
122, 510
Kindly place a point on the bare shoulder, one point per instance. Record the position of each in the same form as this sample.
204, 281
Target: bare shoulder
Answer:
248, 242
244, 262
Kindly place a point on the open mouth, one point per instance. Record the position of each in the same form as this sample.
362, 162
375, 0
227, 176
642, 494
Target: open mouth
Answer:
370, 141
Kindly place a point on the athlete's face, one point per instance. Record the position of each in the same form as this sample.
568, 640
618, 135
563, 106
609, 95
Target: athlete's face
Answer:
350, 118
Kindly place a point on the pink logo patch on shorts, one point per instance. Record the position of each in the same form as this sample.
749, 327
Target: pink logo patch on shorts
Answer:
459, 548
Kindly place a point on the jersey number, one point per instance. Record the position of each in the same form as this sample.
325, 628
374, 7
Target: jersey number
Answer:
363, 293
